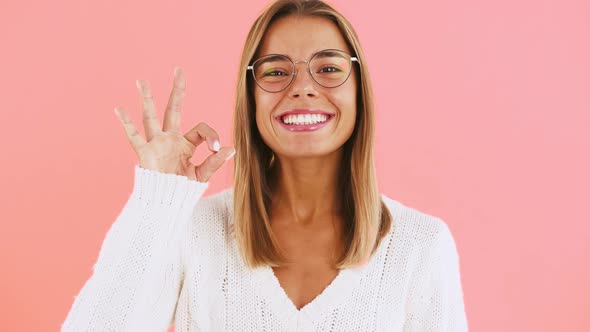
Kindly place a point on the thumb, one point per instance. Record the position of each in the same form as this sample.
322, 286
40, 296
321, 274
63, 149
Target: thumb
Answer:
205, 170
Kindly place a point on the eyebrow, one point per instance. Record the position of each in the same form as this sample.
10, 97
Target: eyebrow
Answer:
327, 53
273, 57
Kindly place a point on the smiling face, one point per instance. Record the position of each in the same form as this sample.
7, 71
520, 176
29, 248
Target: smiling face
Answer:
305, 119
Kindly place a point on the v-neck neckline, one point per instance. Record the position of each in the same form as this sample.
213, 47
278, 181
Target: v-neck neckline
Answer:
337, 292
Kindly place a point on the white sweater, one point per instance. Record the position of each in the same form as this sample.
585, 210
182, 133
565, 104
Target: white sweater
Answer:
170, 257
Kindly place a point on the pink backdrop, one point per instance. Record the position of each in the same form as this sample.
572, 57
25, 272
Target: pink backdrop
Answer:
483, 116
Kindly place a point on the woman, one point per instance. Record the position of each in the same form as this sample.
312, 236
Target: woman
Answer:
303, 241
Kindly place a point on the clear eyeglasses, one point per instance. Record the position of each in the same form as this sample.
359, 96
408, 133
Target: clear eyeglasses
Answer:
329, 68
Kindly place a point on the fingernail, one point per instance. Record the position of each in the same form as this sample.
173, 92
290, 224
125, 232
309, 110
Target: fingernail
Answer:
138, 84
116, 111
231, 155
216, 146
176, 71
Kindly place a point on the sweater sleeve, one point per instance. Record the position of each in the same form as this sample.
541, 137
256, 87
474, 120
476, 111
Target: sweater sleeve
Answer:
137, 277
437, 301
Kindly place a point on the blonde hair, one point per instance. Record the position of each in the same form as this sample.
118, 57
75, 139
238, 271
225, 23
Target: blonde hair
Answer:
366, 218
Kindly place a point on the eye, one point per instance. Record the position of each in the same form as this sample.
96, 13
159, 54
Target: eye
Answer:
275, 72
329, 69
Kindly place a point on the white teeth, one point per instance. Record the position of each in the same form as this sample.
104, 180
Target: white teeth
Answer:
304, 119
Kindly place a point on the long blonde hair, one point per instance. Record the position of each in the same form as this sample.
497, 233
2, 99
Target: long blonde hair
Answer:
366, 218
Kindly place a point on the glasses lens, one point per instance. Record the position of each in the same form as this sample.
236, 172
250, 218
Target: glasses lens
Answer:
273, 72
330, 68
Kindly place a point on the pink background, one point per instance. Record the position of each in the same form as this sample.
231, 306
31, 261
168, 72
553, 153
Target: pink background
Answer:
483, 120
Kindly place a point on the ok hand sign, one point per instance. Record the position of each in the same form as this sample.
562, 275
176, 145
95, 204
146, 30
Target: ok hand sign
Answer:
166, 150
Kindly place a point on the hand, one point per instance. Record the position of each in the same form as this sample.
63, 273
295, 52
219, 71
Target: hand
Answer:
166, 150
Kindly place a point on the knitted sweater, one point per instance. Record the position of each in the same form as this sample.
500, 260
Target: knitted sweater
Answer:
170, 257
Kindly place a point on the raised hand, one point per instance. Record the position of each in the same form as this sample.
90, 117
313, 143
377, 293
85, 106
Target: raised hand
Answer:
166, 150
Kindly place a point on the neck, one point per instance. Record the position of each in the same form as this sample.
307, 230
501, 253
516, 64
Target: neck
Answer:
305, 191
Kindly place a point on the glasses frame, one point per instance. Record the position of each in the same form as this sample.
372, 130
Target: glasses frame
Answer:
295, 71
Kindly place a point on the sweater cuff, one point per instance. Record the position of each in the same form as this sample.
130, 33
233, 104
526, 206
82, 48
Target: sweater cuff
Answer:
166, 189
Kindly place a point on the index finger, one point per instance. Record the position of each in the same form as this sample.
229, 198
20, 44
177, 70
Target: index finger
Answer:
202, 132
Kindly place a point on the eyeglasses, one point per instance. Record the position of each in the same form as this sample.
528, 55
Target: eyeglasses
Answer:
329, 68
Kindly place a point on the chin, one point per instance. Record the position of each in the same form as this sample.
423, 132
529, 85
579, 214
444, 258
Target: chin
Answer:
304, 152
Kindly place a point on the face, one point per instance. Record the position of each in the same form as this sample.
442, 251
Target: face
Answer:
277, 114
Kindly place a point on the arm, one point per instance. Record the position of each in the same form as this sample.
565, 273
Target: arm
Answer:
138, 274
436, 303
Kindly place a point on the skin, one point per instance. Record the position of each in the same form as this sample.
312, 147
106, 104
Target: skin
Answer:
165, 149
305, 211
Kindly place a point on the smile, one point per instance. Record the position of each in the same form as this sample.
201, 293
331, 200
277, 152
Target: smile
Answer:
298, 120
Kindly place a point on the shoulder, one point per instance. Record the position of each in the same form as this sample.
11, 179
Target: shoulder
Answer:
412, 220
418, 232
218, 203
212, 213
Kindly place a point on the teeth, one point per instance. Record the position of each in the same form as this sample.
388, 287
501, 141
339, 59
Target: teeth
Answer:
304, 119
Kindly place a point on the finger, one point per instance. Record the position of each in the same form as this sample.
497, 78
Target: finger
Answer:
132, 134
202, 132
150, 119
172, 115
213, 163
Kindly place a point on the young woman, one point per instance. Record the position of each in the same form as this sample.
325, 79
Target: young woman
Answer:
304, 241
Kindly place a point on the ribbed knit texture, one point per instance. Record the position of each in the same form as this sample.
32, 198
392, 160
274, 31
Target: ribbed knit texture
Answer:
170, 256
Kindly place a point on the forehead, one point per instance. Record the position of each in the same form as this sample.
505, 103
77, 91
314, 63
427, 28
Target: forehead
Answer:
301, 36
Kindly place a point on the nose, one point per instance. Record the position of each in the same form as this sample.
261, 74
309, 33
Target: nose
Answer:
303, 84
